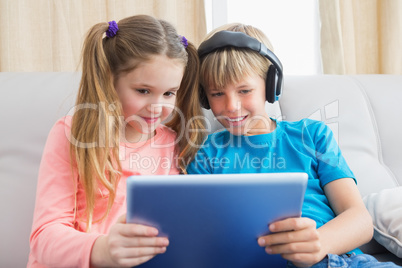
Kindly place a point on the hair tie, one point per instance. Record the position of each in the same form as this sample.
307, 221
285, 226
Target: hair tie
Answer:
183, 40
112, 30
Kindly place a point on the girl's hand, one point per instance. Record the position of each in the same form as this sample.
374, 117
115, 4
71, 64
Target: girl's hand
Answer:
296, 239
127, 245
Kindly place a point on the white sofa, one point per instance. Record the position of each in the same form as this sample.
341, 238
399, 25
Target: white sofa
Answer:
364, 111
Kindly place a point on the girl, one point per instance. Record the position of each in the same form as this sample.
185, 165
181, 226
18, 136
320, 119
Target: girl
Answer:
140, 74
237, 79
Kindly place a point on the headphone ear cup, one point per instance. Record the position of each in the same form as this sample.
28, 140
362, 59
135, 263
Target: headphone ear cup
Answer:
270, 87
203, 98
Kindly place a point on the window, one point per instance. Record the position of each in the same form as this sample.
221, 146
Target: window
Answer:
291, 25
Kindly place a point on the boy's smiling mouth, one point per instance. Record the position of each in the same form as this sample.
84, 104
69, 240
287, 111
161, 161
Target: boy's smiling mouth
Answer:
236, 120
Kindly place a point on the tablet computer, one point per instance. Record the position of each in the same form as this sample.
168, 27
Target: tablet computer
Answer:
214, 220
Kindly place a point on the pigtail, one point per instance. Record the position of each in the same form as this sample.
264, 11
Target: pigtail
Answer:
190, 128
95, 124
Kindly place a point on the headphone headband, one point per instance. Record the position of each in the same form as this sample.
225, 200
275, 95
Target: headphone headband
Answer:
227, 38
237, 39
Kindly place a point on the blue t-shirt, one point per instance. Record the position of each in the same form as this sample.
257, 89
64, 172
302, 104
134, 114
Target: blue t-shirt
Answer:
304, 146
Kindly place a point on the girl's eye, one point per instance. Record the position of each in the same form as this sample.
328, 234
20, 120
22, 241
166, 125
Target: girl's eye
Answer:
143, 91
169, 94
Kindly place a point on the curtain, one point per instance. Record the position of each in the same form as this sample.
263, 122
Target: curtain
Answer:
361, 36
47, 35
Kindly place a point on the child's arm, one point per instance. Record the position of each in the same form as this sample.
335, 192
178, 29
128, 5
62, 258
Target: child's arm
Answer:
54, 241
353, 223
127, 245
297, 240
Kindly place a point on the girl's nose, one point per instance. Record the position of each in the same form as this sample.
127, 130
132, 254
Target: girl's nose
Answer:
155, 108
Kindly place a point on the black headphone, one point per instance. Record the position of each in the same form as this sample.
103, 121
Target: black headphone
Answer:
274, 80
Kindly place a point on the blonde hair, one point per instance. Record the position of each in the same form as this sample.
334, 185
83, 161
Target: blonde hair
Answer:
229, 65
103, 60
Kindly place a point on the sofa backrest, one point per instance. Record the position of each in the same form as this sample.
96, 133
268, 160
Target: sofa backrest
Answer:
363, 111
30, 104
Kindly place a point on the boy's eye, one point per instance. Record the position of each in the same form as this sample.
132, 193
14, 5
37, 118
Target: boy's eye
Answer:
143, 91
245, 91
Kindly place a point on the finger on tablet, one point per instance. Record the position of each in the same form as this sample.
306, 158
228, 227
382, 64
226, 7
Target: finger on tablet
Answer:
132, 230
291, 224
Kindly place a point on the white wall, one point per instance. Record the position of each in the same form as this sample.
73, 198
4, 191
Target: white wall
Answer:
291, 25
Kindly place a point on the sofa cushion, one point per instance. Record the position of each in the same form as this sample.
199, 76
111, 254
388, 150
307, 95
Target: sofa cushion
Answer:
385, 208
30, 104
342, 103
384, 96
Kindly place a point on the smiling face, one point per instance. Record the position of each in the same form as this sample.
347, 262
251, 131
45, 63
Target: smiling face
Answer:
240, 107
148, 95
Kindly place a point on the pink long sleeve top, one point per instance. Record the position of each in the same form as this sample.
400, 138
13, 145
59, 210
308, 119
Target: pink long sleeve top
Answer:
58, 238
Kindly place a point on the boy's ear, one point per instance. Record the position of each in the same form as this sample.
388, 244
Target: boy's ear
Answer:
203, 98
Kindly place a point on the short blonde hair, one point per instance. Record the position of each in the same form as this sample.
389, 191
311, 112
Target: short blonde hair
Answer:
229, 65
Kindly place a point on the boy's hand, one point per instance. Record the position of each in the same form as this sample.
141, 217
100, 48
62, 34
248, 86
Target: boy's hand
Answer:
296, 239
127, 245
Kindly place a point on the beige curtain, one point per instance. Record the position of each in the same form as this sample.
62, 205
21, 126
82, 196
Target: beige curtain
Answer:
361, 36
47, 35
